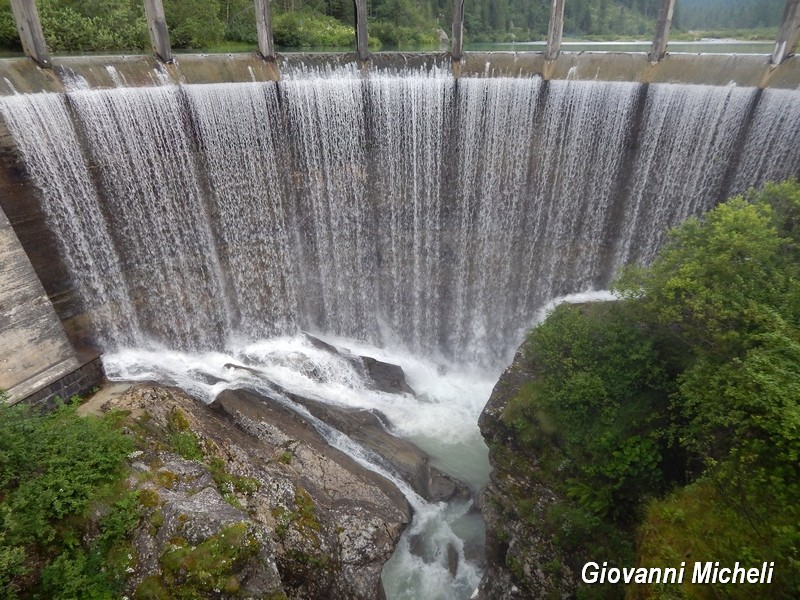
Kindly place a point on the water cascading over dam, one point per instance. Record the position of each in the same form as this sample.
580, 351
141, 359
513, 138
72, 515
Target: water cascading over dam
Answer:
405, 210
408, 209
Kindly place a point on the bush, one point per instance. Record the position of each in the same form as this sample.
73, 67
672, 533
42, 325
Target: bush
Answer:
307, 30
691, 378
54, 470
71, 26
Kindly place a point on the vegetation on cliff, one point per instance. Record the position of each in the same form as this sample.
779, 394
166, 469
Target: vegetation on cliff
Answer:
670, 421
70, 514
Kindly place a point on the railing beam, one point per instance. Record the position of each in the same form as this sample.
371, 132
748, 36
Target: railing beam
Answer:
663, 25
458, 30
157, 25
555, 29
30, 31
789, 33
362, 40
266, 43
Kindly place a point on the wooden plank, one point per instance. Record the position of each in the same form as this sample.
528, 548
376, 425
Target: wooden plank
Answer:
362, 41
157, 25
458, 30
663, 24
789, 33
30, 31
555, 29
266, 44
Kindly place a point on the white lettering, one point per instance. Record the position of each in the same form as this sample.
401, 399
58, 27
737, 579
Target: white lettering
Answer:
702, 574
593, 574
657, 573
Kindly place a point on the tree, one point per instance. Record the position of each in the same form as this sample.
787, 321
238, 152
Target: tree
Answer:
194, 23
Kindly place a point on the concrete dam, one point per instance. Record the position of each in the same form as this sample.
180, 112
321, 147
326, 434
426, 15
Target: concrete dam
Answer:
401, 205
179, 218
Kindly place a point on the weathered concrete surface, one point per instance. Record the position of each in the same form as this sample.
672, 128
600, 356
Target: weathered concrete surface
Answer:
700, 69
663, 25
29, 27
35, 349
21, 75
20, 201
789, 33
555, 29
157, 26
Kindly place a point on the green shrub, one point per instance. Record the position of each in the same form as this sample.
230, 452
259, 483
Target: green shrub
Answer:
55, 469
691, 377
307, 30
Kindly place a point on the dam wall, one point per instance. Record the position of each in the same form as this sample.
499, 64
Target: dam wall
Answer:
21, 75
38, 361
403, 203
499, 164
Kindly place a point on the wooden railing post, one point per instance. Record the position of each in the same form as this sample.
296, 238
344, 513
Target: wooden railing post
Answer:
555, 29
362, 41
458, 29
663, 24
30, 31
266, 44
789, 33
157, 25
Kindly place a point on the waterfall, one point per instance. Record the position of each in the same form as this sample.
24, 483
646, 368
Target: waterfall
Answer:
404, 209
414, 217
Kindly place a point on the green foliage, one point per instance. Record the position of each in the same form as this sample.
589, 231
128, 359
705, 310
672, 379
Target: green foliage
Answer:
727, 287
308, 30
701, 521
730, 14
208, 568
182, 439
91, 25
692, 376
229, 484
54, 469
9, 38
603, 391
194, 23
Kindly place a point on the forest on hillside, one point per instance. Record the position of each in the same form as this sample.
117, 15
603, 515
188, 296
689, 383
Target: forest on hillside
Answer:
730, 14
106, 25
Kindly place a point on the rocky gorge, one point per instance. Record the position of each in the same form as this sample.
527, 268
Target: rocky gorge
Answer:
523, 559
244, 497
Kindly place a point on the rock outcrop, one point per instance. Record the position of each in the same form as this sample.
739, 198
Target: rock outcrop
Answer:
246, 499
523, 562
368, 427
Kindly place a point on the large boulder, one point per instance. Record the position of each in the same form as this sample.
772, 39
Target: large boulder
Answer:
244, 498
379, 375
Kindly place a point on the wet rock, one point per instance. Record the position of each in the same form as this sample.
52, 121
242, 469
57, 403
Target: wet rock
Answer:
386, 377
368, 427
336, 523
444, 488
541, 569
452, 559
380, 375
301, 517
